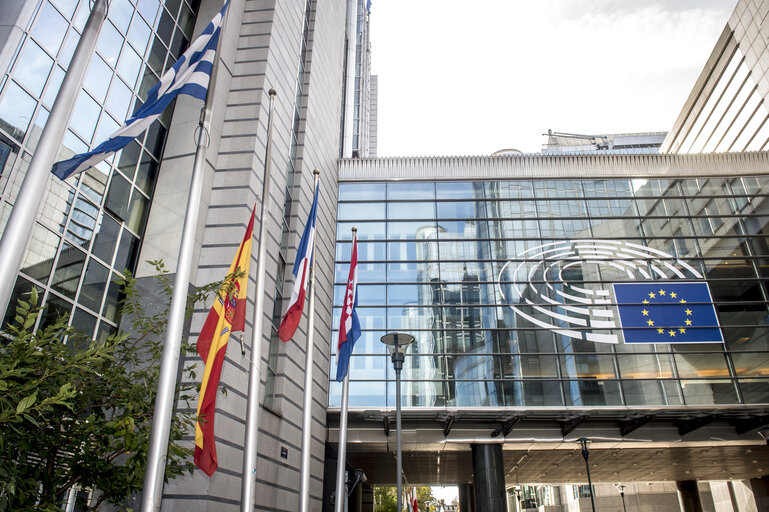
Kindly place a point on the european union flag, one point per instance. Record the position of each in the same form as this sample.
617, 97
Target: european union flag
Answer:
667, 312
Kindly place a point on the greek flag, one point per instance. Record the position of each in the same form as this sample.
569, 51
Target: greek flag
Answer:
190, 75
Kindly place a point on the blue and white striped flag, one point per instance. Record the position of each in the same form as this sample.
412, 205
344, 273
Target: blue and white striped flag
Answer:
190, 75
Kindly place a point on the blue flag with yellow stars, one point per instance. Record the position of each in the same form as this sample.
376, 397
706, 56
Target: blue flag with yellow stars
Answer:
667, 312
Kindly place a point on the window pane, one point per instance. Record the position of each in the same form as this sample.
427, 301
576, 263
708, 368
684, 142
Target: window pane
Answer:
94, 284
410, 190
86, 114
110, 42
106, 238
16, 110
361, 191
32, 68
40, 253
49, 28
127, 252
120, 12
68, 270
139, 35
117, 198
129, 65
119, 99
97, 79
54, 82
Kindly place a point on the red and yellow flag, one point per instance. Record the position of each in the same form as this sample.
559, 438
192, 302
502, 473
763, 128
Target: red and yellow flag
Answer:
228, 314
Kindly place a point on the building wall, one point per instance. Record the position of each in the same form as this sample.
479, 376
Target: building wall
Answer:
264, 49
727, 108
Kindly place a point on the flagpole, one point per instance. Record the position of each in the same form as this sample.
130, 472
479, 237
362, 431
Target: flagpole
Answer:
341, 490
154, 473
16, 235
304, 475
248, 476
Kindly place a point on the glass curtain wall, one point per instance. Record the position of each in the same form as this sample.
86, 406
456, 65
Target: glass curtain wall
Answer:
472, 270
89, 228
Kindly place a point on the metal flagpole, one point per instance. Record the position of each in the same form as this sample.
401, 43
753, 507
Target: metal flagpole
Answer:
304, 474
341, 464
154, 473
30, 197
341, 488
255, 367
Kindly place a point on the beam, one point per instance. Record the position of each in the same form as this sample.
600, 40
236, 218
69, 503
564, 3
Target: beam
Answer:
447, 424
633, 424
569, 425
506, 427
744, 425
690, 425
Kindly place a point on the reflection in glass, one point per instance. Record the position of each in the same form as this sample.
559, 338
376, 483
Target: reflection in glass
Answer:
33, 68
40, 253
68, 269
16, 110
94, 283
49, 28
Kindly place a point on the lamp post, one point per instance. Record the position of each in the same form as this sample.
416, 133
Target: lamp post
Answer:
621, 489
583, 441
397, 341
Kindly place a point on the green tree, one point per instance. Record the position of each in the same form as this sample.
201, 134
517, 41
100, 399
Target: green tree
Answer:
384, 499
425, 499
79, 413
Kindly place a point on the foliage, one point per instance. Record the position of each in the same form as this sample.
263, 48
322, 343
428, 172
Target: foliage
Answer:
79, 413
385, 499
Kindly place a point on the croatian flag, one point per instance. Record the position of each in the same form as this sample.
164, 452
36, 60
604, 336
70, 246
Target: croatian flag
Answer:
301, 275
190, 75
349, 326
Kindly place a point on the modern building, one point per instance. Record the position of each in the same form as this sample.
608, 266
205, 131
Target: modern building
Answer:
130, 209
510, 272
502, 267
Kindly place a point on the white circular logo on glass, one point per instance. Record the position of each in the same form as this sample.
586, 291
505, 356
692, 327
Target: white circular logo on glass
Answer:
565, 286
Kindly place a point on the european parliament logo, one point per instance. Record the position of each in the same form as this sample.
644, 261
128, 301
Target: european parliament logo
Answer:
667, 312
565, 287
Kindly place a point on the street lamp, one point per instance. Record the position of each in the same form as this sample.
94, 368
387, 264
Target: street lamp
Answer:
621, 489
583, 441
398, 341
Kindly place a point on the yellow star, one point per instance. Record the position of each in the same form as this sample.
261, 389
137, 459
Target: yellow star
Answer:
672, 333
688, 322
673, 295
662, 292
651, 294
645, 313
650, 323
688, 311
644, 301
661, 330
682, 301
681, 330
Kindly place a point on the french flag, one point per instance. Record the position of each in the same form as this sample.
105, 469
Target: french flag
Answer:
301, 275
349, 326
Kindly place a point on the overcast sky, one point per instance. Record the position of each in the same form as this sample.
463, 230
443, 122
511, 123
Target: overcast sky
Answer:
470, 78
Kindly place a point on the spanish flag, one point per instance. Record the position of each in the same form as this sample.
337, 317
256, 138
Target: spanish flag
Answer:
227, 314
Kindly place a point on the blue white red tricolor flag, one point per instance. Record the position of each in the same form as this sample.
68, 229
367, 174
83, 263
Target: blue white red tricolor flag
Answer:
349, 326
190, 75
301, 275
667, 312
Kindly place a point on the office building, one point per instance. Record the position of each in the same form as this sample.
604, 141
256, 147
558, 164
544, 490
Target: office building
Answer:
130, 208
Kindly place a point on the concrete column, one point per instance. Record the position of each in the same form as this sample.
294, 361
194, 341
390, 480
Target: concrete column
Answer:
760, 488
689, 495
466, 502
489, 478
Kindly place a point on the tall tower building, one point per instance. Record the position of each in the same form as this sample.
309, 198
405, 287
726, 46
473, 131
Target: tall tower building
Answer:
357, 93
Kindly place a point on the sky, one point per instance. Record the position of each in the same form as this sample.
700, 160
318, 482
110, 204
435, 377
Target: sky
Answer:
471, 78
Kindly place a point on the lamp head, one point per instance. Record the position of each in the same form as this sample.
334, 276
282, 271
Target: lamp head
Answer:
397, 341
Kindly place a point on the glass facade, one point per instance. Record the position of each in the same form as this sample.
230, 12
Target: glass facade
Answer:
507, 287
90, 227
